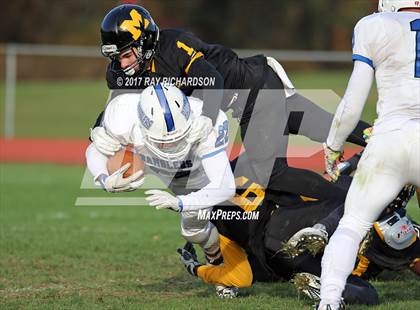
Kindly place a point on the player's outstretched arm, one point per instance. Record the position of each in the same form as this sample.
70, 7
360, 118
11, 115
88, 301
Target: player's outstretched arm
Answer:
221, 186
351, 106
348, 114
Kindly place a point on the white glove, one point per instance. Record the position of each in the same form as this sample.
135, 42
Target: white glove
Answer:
331, 159
105, 144
200, 129
135, 184
117, 183
164, 200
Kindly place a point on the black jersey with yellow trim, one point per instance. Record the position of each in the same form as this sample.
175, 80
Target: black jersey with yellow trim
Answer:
181, 54
249, 231
280, 215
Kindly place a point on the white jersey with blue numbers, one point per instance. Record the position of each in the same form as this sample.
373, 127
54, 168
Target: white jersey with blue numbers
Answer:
390, 44
121, 122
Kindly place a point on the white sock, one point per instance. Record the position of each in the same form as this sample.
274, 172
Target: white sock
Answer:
337, 264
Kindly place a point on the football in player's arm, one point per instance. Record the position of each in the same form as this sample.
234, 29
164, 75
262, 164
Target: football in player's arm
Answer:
143, 54
188, 156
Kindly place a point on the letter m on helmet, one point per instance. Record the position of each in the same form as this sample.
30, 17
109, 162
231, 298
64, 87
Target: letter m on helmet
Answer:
133, 25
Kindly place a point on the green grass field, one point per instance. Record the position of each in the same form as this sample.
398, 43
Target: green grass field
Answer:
54, 255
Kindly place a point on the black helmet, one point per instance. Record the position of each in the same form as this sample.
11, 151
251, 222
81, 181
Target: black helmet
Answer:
129, 26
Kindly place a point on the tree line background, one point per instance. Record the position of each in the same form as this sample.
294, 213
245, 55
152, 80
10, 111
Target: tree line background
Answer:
277, 24
251, 24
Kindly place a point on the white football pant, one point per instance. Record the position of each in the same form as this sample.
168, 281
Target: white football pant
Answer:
390, 161
199, 231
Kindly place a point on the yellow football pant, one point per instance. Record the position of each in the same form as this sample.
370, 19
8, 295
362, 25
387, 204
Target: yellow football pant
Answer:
235, 271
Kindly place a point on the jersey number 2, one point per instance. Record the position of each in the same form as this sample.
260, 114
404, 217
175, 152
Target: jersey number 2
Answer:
415, 26
222, 135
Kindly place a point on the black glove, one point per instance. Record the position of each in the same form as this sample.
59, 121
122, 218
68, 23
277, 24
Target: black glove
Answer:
188, 258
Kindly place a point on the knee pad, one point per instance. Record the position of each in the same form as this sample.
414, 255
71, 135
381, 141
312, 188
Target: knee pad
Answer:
211, 245
354, 225
207, 237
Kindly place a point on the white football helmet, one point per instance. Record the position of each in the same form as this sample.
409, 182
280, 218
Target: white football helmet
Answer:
396, 5
165, 121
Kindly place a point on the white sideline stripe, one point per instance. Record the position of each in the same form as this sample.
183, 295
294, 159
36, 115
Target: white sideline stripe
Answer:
94, 51
107, 201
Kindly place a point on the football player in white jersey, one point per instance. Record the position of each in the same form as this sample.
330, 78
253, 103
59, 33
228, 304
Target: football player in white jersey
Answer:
386, 45
187, 154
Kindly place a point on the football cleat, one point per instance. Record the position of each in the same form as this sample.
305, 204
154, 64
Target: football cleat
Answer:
308, 284
226, 292
403, 197
311, 239
341, 306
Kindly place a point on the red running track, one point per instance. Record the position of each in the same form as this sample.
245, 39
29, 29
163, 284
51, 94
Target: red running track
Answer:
72, 152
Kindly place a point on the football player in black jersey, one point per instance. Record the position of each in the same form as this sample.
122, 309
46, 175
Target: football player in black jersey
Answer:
140, 53
254, 249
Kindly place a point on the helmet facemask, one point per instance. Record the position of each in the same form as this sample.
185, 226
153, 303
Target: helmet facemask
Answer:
143, 55
165, 118
129, 27
170, 149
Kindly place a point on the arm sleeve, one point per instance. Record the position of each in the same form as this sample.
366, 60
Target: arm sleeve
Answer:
96, 162
369, 40
351, 106
221, 186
